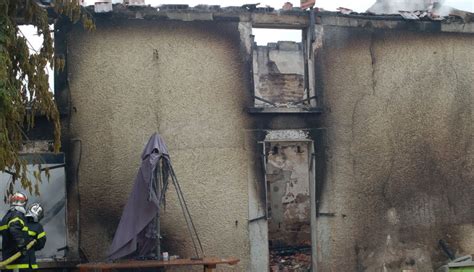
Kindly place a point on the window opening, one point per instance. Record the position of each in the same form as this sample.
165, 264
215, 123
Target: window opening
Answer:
264, 36
279, 68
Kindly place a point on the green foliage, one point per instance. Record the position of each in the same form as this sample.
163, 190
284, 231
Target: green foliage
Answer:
24, 87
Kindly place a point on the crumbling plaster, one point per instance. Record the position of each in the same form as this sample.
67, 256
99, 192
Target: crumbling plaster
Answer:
288, 194
400, 154
129, 79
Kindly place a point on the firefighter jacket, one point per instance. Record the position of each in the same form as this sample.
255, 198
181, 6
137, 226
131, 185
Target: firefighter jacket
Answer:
15, 237
35, 231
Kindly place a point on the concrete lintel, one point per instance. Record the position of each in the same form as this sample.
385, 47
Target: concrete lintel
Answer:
43, 158
279, 20
270, 19
460, 28
393, 23
287, 135
287, 20
195, 16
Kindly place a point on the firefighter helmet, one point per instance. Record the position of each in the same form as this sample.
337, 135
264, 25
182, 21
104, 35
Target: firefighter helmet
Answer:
18, 199
35, 211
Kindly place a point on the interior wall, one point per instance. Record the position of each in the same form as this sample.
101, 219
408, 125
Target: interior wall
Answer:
289, 206
287, 175
278, 73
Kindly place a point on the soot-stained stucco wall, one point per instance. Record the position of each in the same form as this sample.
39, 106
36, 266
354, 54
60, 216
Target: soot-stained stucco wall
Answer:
129, 79
401, 156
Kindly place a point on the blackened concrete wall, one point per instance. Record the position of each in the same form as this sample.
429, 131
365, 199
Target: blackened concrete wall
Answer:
400, 149
399, 138
129, 79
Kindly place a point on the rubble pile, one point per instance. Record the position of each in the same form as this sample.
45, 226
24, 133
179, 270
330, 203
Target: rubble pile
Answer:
290, 260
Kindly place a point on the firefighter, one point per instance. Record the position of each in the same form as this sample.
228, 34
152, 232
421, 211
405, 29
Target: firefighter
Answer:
15, 231
36, 232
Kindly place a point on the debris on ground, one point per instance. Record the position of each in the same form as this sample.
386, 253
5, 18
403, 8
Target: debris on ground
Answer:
296, 259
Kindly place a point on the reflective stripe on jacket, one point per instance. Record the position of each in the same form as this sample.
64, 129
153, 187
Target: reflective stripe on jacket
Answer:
36, 231
15, 236
21, 266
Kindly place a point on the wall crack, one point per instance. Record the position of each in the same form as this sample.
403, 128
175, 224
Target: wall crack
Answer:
373, 61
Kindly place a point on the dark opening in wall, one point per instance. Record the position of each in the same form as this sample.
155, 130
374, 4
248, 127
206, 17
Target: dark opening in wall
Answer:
289, 205
278, 68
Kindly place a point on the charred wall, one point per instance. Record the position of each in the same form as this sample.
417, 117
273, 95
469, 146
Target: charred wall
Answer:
400, 158
130, 78
397, 173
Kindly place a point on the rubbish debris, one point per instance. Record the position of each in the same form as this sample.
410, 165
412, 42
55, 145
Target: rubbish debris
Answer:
208, 7
432, 10
465, 263
344, 10
408, 15
134, 2
287, 6
296, 259
464, 15
432, 15
250, 7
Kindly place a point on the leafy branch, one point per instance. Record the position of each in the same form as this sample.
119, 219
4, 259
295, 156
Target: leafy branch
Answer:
24, 86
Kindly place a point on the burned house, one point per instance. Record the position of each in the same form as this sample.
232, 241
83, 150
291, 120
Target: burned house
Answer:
350, 151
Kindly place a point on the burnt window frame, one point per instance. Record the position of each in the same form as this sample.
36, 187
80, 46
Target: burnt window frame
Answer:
310, 92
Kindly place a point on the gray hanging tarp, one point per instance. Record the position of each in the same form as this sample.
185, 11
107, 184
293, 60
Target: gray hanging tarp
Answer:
136, 235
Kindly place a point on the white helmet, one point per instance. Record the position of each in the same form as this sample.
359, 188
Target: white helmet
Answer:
18, 199
35, 211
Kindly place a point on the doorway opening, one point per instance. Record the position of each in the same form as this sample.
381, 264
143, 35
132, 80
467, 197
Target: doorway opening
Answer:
289, 190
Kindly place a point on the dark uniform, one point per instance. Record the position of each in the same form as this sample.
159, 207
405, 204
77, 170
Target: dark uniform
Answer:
15, 238
35, 231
